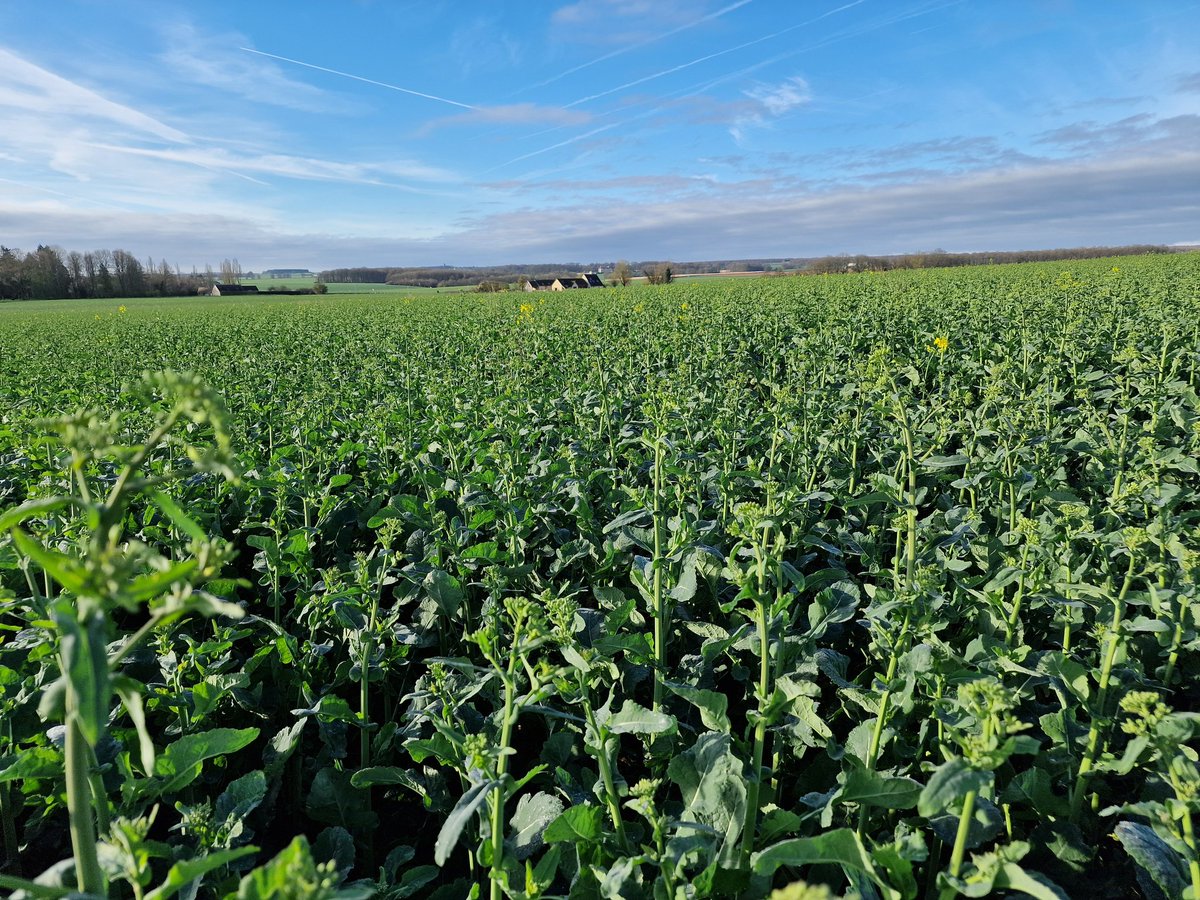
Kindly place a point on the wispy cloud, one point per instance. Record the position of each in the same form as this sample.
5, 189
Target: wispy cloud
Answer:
382, 84
1189, 84
654, 76
770, 101
299, 167
27, 87
514, 114
214, 60
573, 14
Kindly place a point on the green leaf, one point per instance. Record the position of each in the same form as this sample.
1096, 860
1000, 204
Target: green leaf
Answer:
840, 847
1036, 885
184, 873
31, 508
633, 718
33, 762
949, 784
130, 693
180, 763
833, 605
85, 665
529, 821
452, 828
872, 789
445, 590
1157, 862
175, 513
945, 462
712, 705
62, 568
581, 824
334, 800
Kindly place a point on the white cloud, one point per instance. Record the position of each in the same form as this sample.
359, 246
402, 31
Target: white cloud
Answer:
770, 101
25, 87
1120, 199
216, 61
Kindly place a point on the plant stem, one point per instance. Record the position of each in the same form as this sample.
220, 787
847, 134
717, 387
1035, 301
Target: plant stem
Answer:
750, 824
606, 776
89, 876
960, 841
1096, 727
510, 684
660, 623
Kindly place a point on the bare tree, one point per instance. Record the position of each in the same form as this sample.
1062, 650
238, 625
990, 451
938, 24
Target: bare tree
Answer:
660, 274
622, 273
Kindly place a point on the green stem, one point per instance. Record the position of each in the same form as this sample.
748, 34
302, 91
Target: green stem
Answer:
1096, 728
606, 776
881, 719
660, 618
1014, 615
496, 875
89, 876
1189, 838
960, 841
750, 824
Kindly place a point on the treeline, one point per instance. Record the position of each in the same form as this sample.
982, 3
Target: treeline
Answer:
49, 273
937, 259
448, 276
457, 276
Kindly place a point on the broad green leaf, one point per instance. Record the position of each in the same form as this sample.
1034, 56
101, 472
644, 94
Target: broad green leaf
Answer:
529, 821
633, 718
446, 592
949, 784
577, 824
332, 799
711, 704
1157, 862
884, 791
32, 762
184, 873
180, 763
840, 847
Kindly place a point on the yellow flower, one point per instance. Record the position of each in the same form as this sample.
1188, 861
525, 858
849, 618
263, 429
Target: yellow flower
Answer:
683, 306
120, 309
940, 344
639, 307
526, 309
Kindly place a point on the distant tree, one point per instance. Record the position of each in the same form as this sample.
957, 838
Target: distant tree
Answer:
231, 271
491, 287
659, 274
320, 287
622, 273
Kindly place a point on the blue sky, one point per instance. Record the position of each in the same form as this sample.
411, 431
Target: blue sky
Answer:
388, 132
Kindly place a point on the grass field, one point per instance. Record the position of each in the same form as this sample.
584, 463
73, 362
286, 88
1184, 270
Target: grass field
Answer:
886, 583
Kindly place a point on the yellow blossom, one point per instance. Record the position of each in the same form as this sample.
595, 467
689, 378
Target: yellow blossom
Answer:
683, 306
940, 344
120, 309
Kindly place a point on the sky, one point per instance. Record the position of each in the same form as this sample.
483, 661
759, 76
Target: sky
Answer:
328, 133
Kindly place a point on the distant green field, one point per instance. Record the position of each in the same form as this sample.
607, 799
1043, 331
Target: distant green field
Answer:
292, 284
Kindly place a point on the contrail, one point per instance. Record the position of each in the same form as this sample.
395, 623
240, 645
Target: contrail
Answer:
703, 59
652, 40
695, 90
382, 84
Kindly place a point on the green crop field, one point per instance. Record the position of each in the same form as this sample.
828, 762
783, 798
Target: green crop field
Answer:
885, 583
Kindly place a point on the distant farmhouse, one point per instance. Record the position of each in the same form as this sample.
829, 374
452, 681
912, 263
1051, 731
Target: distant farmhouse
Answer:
227, 290
565, 282
288, 273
